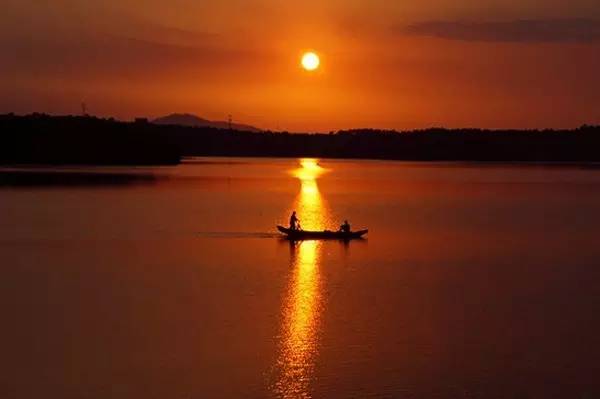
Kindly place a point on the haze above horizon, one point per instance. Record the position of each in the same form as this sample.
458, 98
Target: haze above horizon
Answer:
490, 64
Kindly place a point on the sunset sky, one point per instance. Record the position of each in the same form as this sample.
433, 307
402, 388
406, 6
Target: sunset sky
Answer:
384, 64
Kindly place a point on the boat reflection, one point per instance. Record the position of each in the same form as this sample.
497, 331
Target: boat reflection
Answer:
303, 302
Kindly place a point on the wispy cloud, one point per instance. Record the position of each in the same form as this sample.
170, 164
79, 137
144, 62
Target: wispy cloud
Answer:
537, 31
90, 55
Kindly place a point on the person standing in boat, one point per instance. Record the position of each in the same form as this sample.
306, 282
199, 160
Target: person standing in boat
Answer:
294, 222
345, 227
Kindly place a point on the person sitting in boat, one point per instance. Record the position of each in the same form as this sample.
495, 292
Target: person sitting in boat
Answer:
294, 222
345, 227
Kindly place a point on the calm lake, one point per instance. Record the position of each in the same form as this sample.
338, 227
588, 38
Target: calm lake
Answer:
474, 281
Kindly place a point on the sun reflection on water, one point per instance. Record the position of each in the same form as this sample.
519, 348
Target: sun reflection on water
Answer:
303, 302
309, 204
300, 327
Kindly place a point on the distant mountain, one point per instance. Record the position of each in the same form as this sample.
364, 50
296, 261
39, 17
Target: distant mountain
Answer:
195, 121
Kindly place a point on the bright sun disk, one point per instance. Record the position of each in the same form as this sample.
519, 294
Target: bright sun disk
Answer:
310, 61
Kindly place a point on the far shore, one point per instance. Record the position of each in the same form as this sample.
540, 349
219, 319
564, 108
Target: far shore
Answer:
40, 139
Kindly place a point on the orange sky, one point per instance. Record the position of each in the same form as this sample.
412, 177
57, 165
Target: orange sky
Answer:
461, 63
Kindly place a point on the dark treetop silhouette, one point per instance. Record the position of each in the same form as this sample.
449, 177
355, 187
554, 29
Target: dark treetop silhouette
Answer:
43, 139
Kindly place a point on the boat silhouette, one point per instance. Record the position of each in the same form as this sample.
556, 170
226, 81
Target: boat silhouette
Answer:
298, 234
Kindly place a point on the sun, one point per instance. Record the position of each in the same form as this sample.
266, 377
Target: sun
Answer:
310, 61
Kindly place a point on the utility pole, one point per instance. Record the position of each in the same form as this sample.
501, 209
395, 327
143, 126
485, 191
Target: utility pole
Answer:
83, 109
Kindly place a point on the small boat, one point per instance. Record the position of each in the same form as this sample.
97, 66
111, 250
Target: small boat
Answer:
321, 235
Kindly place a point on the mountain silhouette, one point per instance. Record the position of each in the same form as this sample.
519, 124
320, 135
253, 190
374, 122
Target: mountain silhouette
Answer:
195, 121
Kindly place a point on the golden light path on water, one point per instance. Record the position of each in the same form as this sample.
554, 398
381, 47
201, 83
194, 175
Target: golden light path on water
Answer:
303, 303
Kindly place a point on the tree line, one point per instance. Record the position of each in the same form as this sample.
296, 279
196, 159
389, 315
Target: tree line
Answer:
44, 139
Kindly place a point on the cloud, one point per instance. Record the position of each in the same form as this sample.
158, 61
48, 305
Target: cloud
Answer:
92, 55
526, 31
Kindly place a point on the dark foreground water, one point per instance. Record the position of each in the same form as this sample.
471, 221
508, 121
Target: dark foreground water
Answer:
474, 282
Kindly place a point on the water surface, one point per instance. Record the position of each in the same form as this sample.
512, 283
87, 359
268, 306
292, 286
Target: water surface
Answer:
474, 282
